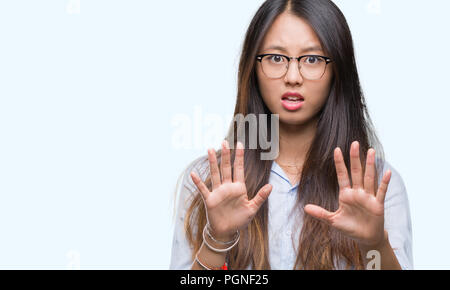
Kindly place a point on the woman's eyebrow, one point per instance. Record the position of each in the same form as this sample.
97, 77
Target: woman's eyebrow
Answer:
308, 49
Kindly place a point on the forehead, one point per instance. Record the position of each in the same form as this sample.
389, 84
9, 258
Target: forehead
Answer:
291, 32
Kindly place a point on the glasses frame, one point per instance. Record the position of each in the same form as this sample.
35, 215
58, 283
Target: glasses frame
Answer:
299, 58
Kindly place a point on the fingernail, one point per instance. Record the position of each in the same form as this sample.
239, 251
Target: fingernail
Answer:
239, 145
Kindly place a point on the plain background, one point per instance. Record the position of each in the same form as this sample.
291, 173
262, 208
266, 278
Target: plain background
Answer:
104, 103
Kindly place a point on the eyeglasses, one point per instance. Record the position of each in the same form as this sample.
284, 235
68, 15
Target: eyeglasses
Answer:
311, 67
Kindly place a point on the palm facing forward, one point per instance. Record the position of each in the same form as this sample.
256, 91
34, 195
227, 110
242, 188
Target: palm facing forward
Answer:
227, 205
360, 215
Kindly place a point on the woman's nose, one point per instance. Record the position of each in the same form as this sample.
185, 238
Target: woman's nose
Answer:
293, 75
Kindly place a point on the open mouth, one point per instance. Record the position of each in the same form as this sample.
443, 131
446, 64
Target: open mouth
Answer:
292, 103
292, 99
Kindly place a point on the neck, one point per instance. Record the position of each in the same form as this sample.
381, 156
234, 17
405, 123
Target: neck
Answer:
295, 141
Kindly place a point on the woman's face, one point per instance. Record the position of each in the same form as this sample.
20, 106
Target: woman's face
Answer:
297, 38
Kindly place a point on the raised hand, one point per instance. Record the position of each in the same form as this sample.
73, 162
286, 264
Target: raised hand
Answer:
360, 215
227, 205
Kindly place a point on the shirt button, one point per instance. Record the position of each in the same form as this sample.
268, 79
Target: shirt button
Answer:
288, 233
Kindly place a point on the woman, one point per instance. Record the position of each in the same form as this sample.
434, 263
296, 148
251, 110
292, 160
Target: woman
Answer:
328, 200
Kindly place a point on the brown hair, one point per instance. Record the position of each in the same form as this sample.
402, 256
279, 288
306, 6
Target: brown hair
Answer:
343, 119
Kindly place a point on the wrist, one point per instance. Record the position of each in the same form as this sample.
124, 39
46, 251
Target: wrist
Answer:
221, 237
218, 245
378, 245
214, 244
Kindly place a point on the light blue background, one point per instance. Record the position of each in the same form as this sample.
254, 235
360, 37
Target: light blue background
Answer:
91, 97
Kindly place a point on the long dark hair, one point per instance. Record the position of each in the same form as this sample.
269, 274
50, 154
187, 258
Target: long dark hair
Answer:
343, 119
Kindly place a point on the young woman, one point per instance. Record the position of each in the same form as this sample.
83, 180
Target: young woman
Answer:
329, 198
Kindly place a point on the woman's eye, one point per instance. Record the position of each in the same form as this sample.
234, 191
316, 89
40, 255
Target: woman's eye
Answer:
276, 58
312, 60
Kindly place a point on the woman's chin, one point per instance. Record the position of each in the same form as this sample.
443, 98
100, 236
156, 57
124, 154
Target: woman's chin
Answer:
292, 120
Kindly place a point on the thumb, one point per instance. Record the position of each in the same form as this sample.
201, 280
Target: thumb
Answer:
261, 197
318, 212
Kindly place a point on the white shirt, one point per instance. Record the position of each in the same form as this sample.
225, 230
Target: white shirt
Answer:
283, 228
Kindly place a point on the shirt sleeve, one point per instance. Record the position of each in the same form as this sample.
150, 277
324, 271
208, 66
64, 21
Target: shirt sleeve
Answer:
181, 255
398, 218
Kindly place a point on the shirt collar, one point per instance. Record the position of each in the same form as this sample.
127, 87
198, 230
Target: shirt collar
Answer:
280, 172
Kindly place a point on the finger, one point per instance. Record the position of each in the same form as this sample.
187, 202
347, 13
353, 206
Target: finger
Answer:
341, 169
260, 197
381, 194
225, 164
200, 185
355, 166
239, 163
214, 169
318, 213
369, 175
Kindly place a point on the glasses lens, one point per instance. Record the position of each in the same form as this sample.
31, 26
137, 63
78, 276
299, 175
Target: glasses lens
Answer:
312, 67
274, 66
